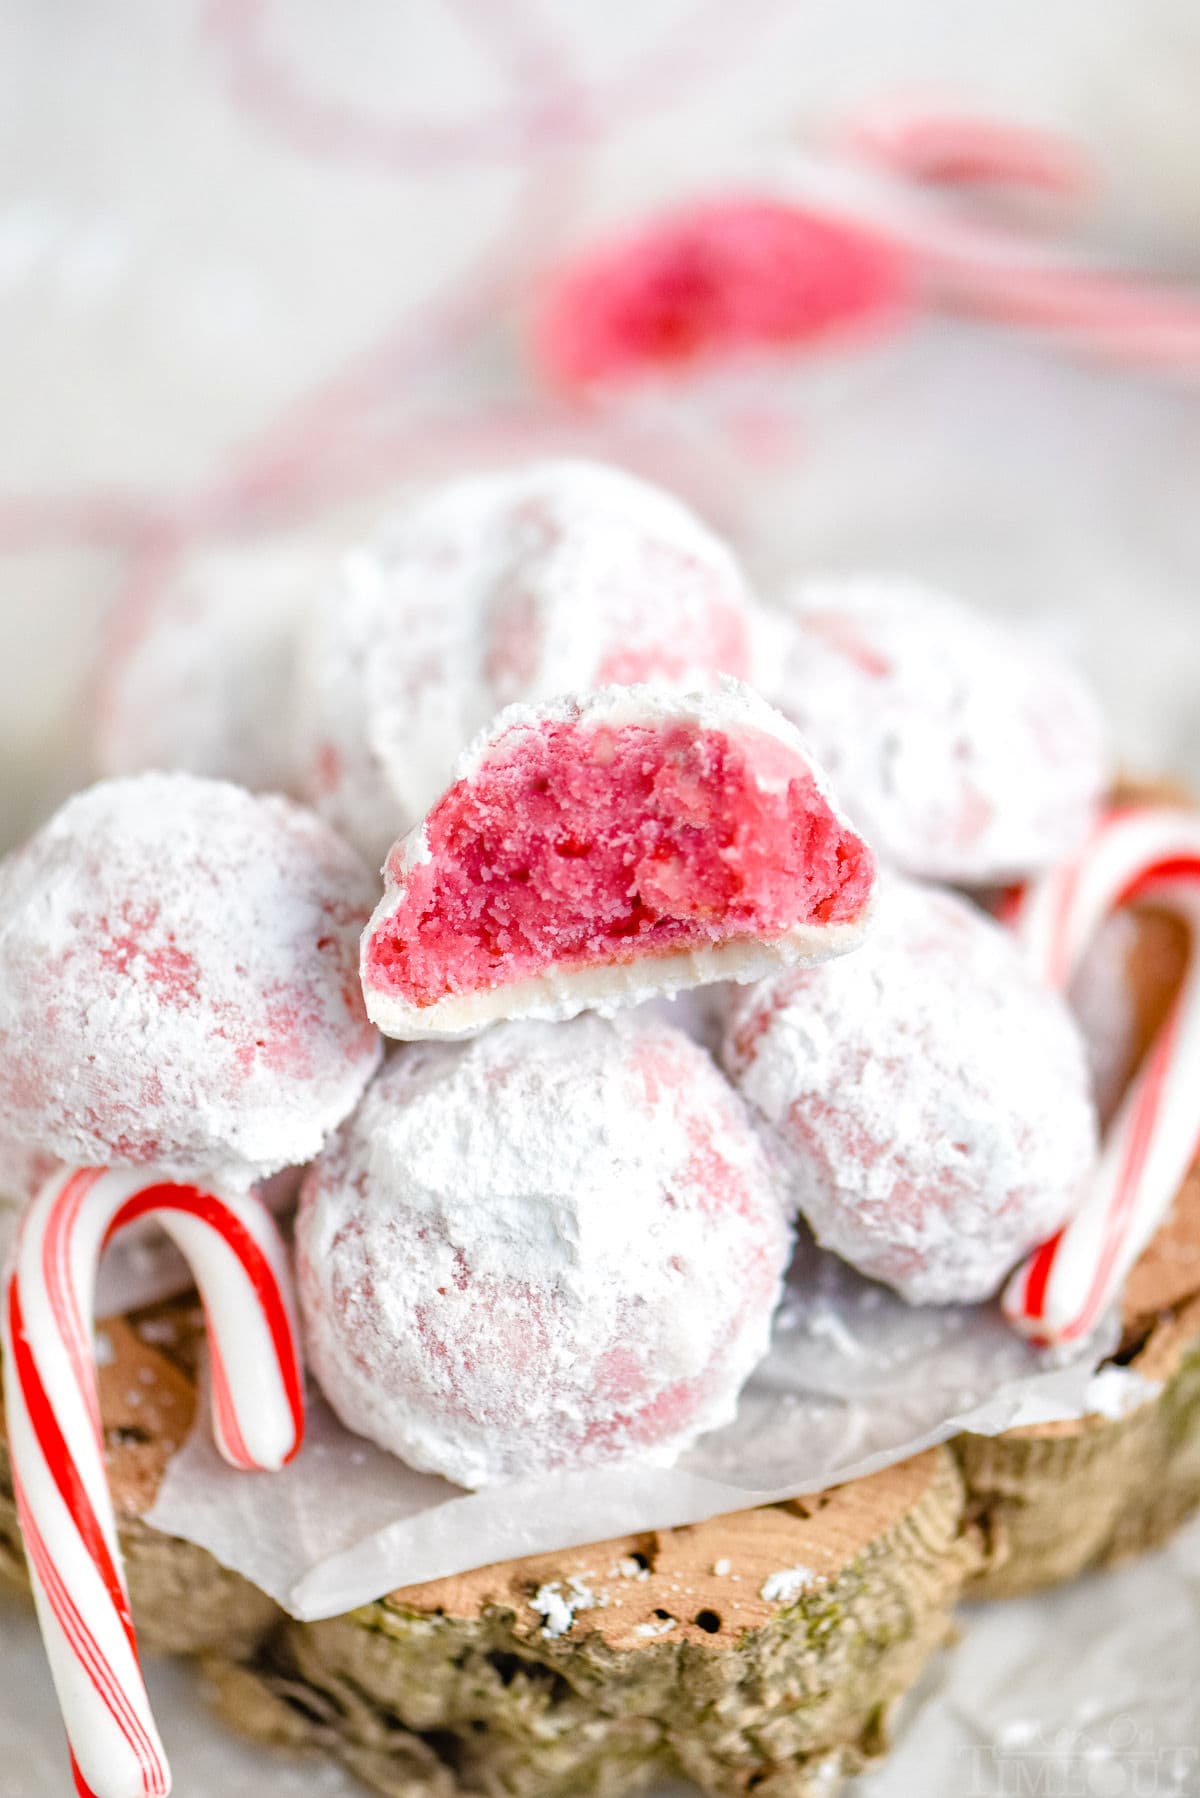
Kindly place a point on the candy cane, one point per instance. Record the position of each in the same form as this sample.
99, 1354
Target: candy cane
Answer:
932, 145
893, 178
57, 1448
1153, 853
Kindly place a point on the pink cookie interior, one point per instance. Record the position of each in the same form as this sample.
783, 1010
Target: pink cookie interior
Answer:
573, 847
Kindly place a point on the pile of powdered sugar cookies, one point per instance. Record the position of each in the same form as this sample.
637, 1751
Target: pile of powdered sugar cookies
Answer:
598, 772
864, 827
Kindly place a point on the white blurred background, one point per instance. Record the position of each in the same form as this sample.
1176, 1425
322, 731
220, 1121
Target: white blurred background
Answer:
264, 264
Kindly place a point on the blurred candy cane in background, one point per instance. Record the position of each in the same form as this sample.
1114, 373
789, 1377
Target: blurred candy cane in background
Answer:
904, 207
427, 166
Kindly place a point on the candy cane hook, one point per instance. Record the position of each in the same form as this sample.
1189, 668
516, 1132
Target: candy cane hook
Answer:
1062, 1291
900, 164
56, 1446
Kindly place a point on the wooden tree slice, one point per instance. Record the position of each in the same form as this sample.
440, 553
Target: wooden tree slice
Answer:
759, 1652
455, 1687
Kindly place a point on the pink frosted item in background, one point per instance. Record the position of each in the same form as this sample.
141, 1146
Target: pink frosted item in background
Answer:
554, 1246
965, 750
513, 586
720, 279
608, 848
928, 1097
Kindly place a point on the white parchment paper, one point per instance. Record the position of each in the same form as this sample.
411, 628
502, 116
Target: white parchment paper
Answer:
855, 1380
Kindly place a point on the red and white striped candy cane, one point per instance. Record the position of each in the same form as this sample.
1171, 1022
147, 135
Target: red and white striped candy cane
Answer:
938, 146
1065, 1287
57, 1449
903, 173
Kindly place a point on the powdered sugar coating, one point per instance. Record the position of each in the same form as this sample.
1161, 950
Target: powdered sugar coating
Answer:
552, 1246
201, 679
511, 586
963, 750
928, 1099
177, 981
818, 874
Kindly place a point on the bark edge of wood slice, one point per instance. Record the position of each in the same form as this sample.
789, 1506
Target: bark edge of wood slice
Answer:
1056, 1499
761, 1652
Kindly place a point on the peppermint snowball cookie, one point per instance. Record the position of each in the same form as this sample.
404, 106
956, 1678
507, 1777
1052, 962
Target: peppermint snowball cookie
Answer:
554, 1246
928, 1101
963, 750
502, 587
177, 982
604, 849
199, 676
